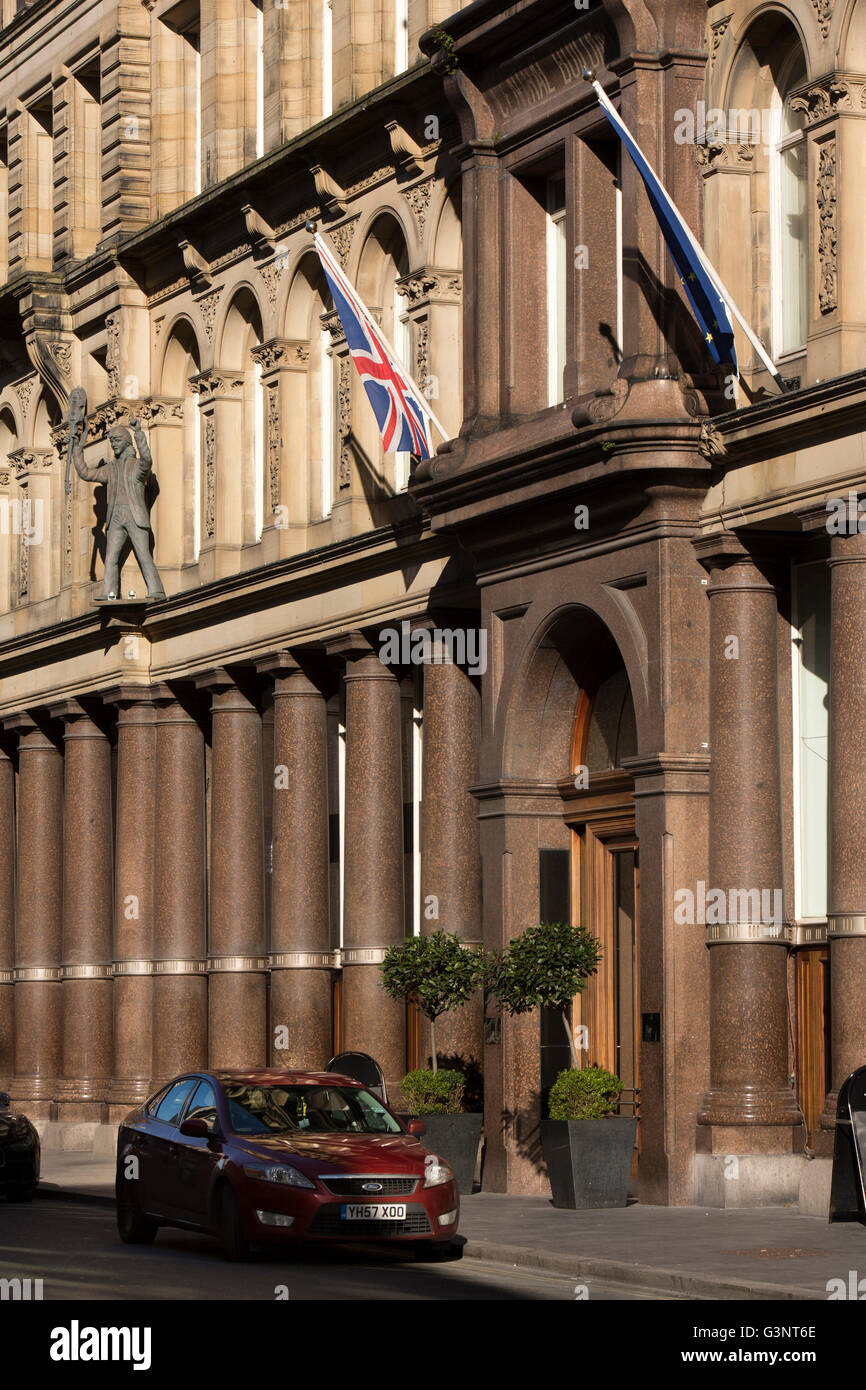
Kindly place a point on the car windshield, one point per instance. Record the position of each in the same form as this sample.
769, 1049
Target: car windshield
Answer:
307, 1109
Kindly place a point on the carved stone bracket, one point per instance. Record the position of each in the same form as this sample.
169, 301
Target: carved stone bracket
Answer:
196, 266
332, 197
407, 153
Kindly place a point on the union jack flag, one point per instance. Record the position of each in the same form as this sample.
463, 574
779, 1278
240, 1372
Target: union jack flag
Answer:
396, 400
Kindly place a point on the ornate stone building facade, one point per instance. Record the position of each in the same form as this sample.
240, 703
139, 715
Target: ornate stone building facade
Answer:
218, 811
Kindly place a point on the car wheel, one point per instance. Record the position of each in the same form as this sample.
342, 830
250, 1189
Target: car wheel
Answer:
236, 1247
132, 1226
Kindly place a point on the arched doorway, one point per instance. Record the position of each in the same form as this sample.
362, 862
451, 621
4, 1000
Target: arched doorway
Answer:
605, 874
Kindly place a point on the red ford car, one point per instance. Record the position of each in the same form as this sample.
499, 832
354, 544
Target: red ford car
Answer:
280, 1155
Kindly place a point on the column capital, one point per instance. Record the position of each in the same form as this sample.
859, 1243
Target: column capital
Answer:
128, 694
350, 646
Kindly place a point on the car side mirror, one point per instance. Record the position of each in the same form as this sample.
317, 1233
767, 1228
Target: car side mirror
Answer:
5, 1100
195, 1129
417, 1127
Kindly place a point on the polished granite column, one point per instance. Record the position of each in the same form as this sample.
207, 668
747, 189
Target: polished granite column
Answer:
301, 956
237, 963
450, 848
179, 941
7, 916
87, 893
750, 1106
846, 877
133, 908
38, 917
373, 893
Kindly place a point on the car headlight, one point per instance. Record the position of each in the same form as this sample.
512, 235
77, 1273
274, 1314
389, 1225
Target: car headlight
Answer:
282, 1173
437, 1173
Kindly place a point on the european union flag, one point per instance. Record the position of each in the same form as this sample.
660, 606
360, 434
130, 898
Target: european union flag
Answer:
708, 306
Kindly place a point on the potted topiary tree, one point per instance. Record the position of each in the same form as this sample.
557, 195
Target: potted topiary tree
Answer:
438, 974
587, 1147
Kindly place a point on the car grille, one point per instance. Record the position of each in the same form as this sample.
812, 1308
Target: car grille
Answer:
354, 1187
328, 1222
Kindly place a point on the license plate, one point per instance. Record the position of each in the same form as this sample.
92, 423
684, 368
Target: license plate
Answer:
369, 1211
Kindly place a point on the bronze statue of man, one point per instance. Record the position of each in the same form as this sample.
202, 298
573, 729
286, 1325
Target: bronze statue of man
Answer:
126, 476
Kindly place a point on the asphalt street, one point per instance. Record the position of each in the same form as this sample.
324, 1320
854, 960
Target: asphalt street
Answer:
74, 1248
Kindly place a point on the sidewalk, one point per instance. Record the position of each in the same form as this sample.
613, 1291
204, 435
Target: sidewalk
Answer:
763, 1253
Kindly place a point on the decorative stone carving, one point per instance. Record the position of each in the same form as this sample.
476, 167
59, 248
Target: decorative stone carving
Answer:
208, 306
210, 475
62, 353
271, 275
342, 237
344, 418
213, 382
713, 156
824, 14
422, 346
717, 33
418, 198
273, 443
24, 390
826, 198
112, 356
820, 102
269, 355
26, 462
161, 410
711, 443
424, 285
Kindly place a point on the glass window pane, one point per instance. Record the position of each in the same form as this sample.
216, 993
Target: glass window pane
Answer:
170, 1108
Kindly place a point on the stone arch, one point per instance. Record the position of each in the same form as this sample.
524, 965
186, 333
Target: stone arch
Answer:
181, 348
383, 260
310, 395
570, 651
446, 238
44, 417
241, 328
380, 217
852, 41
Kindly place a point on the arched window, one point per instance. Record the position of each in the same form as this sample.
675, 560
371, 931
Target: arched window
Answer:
788, 192
384, 261
311, 395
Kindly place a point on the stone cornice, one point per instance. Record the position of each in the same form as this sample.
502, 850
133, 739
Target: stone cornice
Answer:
780, 422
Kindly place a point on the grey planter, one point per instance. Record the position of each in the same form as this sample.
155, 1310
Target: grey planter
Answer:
454, 1138
589, 1161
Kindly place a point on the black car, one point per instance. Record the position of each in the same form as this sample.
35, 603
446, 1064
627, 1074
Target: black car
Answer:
19, 1154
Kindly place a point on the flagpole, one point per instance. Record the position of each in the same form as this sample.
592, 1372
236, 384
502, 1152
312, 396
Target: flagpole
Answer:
422, 399
709, 269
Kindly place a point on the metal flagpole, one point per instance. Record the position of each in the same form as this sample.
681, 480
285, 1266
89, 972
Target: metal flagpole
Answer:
719, 286
344, 283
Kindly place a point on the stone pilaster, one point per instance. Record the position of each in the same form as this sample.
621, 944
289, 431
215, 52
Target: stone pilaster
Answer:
373, 894
846, 878
450, 849
237, 963
38, 917
301, 956
133, 911
750, 1108
179, 937
87, 893
7, 916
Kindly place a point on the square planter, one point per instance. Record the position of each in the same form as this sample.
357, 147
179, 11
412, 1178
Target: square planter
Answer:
454, 1138
589, 1161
